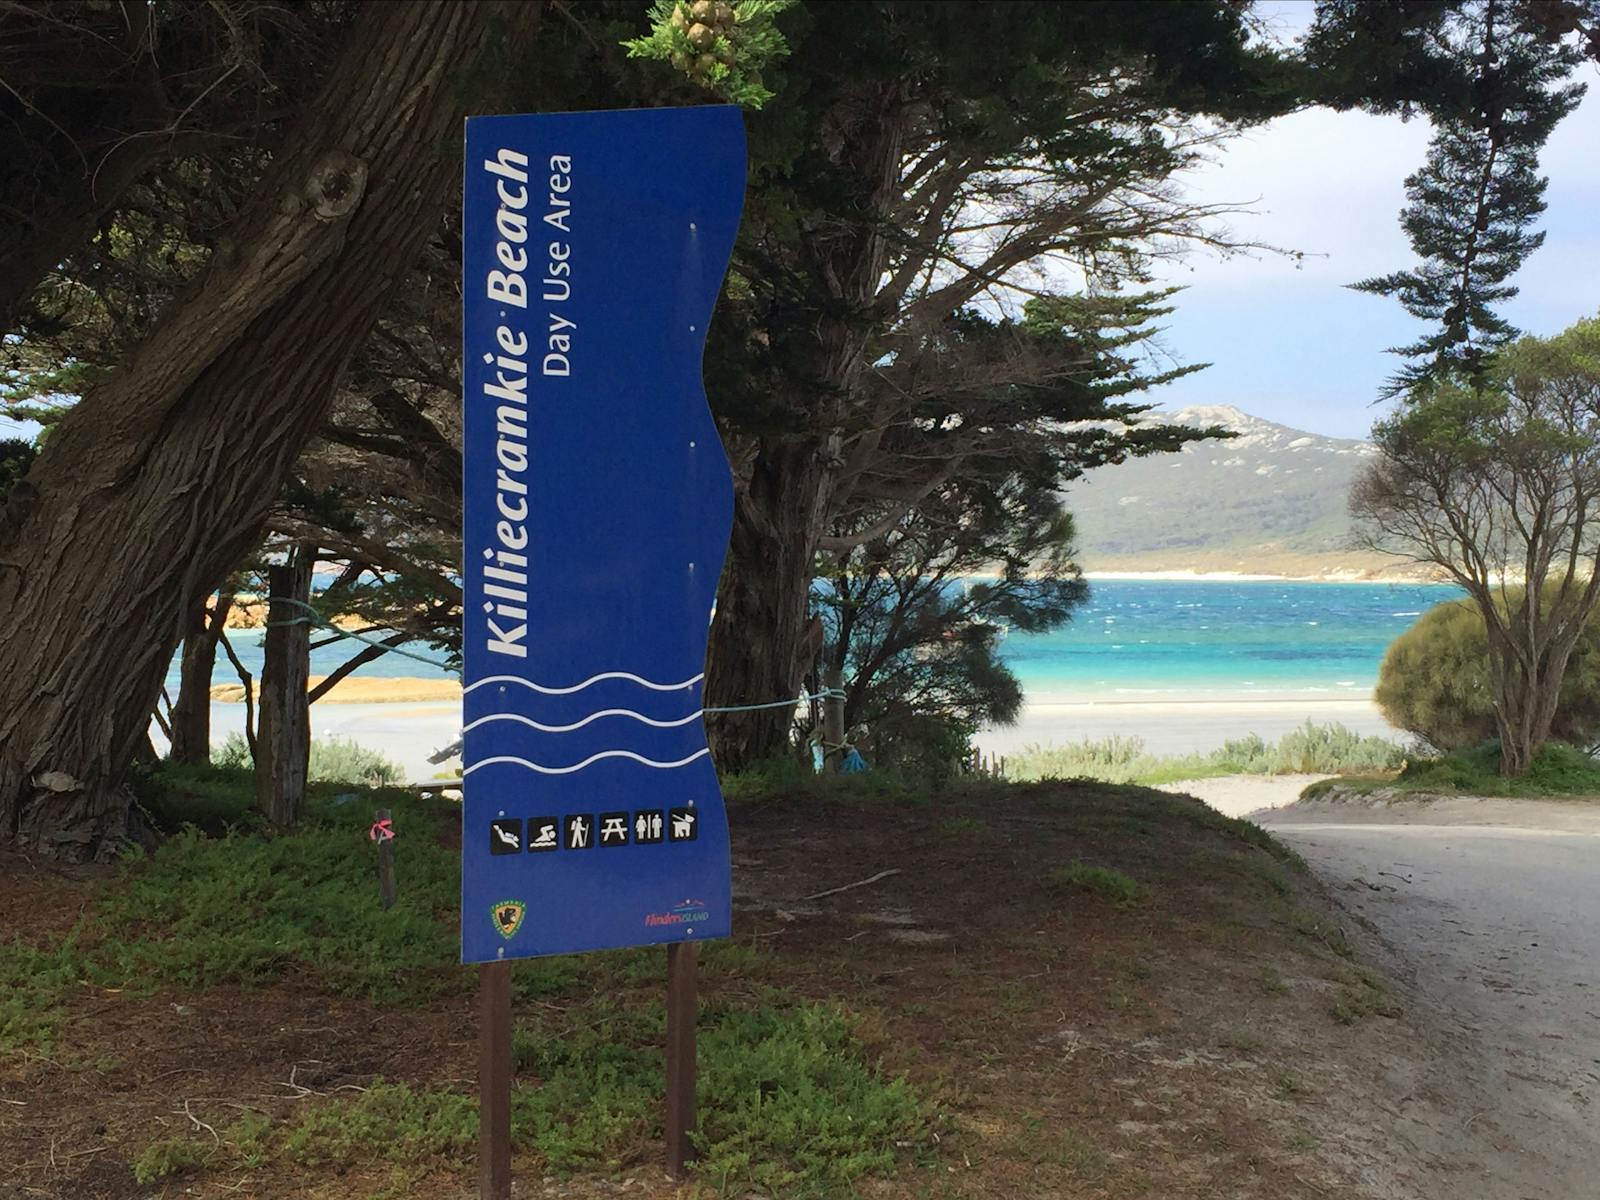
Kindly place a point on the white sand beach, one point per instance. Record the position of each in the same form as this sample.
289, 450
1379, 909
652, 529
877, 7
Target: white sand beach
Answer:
408, 731
1178, 727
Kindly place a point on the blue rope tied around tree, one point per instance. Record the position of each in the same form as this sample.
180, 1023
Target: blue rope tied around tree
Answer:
313, 617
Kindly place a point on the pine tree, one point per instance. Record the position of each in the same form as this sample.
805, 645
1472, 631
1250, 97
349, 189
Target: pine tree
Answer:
1471, 208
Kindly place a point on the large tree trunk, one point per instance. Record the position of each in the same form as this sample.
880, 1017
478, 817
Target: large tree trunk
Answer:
154, 486
760, 629
191, 714
283, 738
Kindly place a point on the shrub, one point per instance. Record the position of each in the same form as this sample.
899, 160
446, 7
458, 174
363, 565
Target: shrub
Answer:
333, 760
1435, 682
1312, 749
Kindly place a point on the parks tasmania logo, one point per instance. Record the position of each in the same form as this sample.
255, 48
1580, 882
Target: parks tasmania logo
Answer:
508, 916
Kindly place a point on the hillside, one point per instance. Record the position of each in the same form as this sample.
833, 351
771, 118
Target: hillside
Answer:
1271, 501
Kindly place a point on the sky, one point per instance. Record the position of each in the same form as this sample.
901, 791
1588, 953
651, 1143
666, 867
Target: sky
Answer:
1289, 341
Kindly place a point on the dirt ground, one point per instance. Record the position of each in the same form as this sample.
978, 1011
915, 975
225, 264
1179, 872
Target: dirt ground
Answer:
1491, 904
1217, 1038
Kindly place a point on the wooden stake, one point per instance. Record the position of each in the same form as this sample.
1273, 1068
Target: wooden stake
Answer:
682, 960
386, 882
833, 720
494, 1081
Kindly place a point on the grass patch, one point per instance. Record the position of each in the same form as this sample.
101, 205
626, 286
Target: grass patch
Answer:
961, 829
32, 982
168, 1157
1313, 749
1107, 882
1321, 928
251, 907
787, 775
791, 1103
1557, 770
1362, 995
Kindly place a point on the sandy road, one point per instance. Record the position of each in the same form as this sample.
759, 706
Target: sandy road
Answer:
1493, 908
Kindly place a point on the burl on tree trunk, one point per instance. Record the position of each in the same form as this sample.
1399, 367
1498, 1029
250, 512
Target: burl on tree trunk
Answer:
154, 486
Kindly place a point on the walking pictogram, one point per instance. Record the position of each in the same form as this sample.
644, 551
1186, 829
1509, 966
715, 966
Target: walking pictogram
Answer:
580, 832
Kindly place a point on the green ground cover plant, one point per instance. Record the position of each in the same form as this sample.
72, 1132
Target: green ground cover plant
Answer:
1312, 749
795, 1102
1122, 890
1556, 770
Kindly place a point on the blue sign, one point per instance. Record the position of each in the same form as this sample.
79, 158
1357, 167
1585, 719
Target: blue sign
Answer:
598, 507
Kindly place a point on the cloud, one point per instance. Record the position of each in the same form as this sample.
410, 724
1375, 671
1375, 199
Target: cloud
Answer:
1289, 340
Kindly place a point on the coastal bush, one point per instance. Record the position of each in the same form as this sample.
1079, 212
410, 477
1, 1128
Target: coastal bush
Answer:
333, 760
1555, 770
1319, 749
1434, 682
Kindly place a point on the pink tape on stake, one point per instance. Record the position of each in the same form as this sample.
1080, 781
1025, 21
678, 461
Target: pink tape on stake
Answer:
382, 831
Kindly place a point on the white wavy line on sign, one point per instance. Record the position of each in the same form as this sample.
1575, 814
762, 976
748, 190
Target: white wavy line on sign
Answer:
592, 759
593, 679
608, 712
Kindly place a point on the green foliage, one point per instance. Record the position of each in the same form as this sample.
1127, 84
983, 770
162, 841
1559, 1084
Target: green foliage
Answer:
1469, 208
16, 456
721, 46
771, 776
1312, 749
170, 1156
926, 748
1362, 995
215, 797
1495, 482
919, 638
790, 1103
1435, 680
32, 981
1555, 770
391, 1121
1113, 885
333, 760
247, 908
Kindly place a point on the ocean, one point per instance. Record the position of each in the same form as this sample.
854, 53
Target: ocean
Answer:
1134, 640
1159, 640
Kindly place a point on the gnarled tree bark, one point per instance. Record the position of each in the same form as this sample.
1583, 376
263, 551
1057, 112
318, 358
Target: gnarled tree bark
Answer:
154, 486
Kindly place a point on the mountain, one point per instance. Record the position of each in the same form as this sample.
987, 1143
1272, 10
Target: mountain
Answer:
1271, 501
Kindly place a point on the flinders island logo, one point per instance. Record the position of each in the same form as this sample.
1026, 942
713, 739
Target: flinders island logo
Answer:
685, 912
508, 916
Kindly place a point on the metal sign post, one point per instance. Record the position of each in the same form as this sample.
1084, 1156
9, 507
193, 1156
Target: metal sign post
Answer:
494, 1081
598, 505
682, 966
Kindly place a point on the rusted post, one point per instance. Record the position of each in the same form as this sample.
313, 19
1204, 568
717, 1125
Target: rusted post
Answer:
494, 1081
682, 964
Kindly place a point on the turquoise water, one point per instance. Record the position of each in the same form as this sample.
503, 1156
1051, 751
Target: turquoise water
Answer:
247, 644
1137, 639
1158, 640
